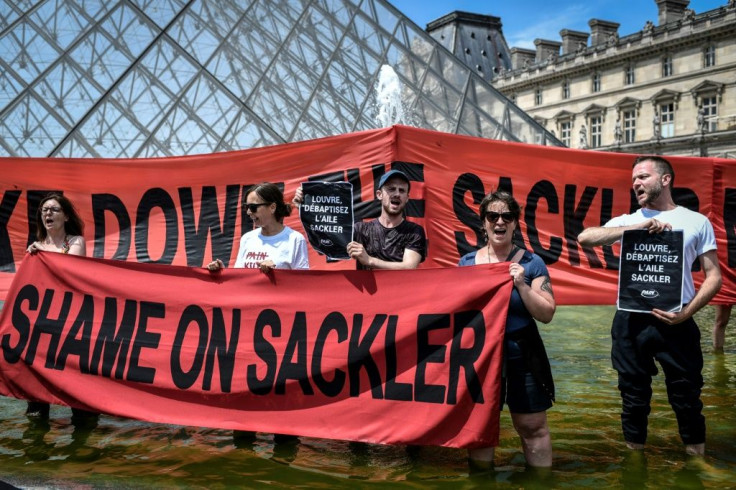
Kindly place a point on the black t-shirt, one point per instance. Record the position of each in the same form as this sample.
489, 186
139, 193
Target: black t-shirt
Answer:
389, 243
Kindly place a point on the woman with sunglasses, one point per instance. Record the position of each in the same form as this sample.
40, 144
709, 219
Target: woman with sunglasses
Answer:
271, 244
527, 387
58, 229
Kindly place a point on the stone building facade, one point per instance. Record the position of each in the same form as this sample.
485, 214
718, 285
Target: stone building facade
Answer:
667, 89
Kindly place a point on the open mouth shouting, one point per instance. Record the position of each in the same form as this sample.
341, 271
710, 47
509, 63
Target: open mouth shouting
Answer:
395, 202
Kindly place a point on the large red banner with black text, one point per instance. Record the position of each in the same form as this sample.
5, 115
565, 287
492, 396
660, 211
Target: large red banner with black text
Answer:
394, 357
187, 210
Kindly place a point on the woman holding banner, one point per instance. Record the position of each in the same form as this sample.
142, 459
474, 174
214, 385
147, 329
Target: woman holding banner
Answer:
527, 386
271, 245
58, 229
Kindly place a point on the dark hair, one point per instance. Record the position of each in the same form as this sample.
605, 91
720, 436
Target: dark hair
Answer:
501, 196
73, 226
271, 194
663, 166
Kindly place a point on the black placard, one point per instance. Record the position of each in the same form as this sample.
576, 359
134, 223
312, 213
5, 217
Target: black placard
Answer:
327, 217
651, 271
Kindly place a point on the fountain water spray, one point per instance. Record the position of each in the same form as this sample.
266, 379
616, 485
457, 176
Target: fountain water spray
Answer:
388, 98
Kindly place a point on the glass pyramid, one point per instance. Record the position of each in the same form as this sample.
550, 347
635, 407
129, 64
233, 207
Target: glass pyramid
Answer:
145, 78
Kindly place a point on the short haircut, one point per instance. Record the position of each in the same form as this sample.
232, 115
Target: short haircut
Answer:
663, 166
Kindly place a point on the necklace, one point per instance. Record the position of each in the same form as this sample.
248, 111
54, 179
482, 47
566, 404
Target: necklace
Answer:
65, 245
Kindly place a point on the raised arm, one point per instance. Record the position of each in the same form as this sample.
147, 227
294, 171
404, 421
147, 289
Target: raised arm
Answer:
602, 235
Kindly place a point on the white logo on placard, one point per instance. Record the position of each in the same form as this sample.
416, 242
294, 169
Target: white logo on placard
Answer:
650, 293
326, 242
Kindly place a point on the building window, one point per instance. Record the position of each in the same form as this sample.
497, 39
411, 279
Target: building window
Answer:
667, 118
629, 126
596, 129
710, 112
709, 56
629, 75
596, 82
538, 96
565, 132
565, 89
667, 66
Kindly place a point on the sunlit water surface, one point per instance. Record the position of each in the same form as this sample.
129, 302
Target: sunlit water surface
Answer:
588, 451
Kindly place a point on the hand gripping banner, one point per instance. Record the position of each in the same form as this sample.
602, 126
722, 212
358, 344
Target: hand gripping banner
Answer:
395, 357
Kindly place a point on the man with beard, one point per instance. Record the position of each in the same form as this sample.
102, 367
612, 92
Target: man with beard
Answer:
389, 241
673, 339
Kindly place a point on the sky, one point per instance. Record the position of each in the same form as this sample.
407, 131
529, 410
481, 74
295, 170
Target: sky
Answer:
524, 21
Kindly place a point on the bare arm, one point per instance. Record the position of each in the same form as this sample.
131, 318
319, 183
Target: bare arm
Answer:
538, 298
709, 288
410, 260
77, 246
601, 235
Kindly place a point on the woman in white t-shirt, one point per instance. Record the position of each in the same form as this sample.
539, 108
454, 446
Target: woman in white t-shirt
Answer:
271, 244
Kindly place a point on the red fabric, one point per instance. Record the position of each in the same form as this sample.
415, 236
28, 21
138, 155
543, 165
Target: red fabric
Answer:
237, 349
561, 191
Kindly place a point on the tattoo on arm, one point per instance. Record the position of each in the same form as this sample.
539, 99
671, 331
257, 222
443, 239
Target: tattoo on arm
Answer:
547, 286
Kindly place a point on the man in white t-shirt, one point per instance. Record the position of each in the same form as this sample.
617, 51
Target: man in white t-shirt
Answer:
673, 339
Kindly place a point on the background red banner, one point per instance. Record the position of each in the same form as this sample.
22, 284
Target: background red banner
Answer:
186, 210
331, 354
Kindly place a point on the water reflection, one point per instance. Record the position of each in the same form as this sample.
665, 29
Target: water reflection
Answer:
585, 425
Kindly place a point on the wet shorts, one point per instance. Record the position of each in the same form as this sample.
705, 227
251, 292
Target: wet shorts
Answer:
519, 390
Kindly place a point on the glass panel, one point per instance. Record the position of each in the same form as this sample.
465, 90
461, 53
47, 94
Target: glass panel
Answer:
485, 99
629, 126
276, 71
29, 129
11, 10
162, 12
10, 87
112, 132
247, 132
441, 94
68, 91
198, 37
27, 52
76, 147
369, 37
667, 114
61, 23
380, 15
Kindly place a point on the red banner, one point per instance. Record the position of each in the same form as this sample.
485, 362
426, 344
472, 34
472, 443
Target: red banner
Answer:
185, 210
408, 357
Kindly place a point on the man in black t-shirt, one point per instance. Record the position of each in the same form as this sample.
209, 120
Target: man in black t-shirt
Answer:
389, 241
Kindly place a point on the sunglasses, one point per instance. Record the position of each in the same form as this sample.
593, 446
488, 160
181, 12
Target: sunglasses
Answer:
50, 209
254, 207
492, 217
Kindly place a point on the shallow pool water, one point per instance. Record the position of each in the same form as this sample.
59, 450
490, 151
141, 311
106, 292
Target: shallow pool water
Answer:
588, 449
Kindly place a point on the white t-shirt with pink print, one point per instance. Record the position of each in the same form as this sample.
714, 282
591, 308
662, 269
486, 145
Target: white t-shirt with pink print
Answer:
287, 249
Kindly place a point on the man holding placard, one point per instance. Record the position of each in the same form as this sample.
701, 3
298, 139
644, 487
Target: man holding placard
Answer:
389, 241
670, 337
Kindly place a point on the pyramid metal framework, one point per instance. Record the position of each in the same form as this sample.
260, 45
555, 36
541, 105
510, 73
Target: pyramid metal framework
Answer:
146, 78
